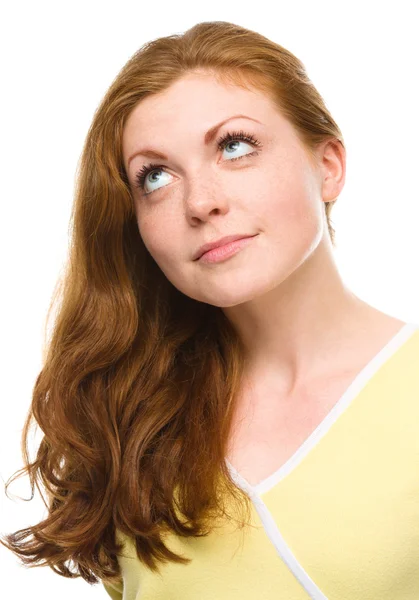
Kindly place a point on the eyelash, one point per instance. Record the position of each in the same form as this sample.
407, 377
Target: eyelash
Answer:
222, 142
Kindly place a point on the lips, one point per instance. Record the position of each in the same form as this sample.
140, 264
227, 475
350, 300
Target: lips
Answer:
220, 242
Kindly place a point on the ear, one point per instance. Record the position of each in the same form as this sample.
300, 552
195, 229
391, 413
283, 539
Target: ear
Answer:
332, 161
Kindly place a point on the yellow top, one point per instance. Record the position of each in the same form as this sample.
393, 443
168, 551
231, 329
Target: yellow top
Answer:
338, 521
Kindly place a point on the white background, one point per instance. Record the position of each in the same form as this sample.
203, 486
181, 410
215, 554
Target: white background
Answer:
58, 59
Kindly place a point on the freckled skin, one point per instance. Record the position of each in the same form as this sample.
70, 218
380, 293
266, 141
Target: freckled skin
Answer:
205, 196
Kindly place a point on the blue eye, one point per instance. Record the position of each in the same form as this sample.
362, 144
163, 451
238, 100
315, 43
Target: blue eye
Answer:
225, 140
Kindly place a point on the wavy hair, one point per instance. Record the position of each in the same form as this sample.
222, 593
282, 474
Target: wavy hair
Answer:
137, 390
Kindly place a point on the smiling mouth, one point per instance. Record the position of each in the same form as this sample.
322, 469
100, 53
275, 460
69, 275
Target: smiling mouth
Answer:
225, 251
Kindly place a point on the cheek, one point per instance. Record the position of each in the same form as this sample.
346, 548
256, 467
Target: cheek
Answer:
160, 241
284, 204
151, 235
291, 216
288, 194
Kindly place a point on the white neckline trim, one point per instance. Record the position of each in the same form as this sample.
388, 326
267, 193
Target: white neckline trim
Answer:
284, 551
280, 545
358, 383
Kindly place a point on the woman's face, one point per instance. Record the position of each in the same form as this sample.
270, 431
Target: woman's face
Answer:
199, 194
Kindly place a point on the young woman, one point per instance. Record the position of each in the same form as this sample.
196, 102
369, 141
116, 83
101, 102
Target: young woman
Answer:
207, 356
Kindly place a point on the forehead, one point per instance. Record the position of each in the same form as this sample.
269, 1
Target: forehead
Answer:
194, 104
200, 93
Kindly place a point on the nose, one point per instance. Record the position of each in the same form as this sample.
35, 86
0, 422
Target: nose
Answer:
203, 199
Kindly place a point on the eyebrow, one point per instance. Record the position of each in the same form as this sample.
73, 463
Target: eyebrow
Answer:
208, 138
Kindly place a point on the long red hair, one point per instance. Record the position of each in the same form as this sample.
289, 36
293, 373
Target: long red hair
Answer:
138, 385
